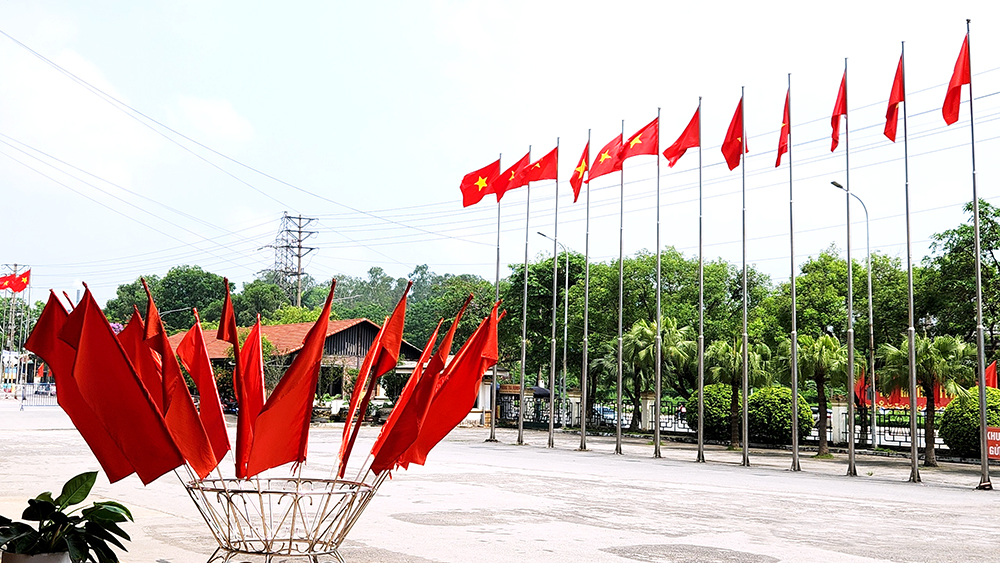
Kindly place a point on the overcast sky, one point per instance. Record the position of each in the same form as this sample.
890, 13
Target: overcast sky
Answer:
366, 115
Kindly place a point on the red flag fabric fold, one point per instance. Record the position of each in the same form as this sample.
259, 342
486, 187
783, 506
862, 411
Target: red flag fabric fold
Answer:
511, 178
991, 375
961, 75
19, 282
690, 138
252, 398
545, 168
576, 179
896, 97
607, 160
476, 185
644, 141
839, 109
786, 124
193, 354
734, 145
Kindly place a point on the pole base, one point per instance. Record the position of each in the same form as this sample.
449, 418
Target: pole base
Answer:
795, 466
985, 486
852, 471
489, 440
914, 477
700, 458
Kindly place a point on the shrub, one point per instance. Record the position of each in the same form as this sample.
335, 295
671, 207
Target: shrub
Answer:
769, 416
960, 423
717, 399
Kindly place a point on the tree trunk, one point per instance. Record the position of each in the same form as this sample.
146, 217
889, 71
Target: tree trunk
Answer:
734, 415
930, 460
636, 422
824, 446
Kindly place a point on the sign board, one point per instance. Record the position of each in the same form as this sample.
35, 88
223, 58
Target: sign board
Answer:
993, 442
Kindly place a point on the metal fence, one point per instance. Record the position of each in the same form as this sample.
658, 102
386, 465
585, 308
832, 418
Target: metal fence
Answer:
35, 394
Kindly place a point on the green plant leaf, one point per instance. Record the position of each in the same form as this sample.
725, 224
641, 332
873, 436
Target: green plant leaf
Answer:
76, 489
96, 530
13, 533
120, 507
104, 514
76, 544
38, 510
104, 553
46, 496
4, 521
113, 528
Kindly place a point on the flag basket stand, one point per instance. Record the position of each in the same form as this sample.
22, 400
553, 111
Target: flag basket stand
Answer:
291, 517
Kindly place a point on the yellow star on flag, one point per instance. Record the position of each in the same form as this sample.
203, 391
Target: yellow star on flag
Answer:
481, 182
581, 169
604, 156
635, 141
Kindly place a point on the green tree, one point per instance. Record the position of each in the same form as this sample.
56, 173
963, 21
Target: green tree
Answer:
823, 360
944, 360
175, 294
257, 298
724, 363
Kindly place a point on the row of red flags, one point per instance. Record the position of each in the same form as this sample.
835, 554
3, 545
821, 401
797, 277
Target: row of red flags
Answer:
16, 282
489, 180
900, 399
127, 396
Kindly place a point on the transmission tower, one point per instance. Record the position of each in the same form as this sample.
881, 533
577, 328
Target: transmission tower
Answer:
289, 251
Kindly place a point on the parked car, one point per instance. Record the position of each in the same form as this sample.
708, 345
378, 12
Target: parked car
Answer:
603, 415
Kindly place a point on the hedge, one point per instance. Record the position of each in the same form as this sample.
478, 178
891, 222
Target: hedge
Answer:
717, 400
960, 422
769, 416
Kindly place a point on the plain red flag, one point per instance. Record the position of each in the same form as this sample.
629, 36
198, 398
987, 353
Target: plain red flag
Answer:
690, 138
228, 333
576, 179
419, 392
45, 343
607, 160
193, 353
839, 109
281, 432
991, 375
786, 124
511, 178
110, 386
734, 144
961, 75
475, 185
644, 141
252, 398
896, 97
146, 365
381, 358
545, 168
458, 388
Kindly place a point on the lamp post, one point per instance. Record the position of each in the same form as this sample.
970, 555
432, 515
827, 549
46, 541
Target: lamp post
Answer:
871, 323
566, 410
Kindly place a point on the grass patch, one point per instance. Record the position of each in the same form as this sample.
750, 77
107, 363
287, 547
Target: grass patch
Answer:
824, 456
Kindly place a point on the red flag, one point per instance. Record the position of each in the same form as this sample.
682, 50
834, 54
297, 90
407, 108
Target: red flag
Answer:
193, 353
381, 358
475, 185
252, 397
896, 97
510, 179
690, 138
961, 75
859, 390
419, 392
228, 333
112, 389
545, 168
458, 388
45, 343
839, 109
576, 179
146, 365
5, 281
644, 141
178, 411
786, 125
991, 375
281, 432
19, 282
607, 160
734, 144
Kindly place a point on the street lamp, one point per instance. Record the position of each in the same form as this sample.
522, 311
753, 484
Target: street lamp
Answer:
871, 324
566, 409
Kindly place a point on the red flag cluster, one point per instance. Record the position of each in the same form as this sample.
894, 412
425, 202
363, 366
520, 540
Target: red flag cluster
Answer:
16, 283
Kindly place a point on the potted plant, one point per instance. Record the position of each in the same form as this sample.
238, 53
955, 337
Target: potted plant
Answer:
77, 536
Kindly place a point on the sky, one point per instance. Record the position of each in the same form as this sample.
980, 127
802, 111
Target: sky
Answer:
139, 136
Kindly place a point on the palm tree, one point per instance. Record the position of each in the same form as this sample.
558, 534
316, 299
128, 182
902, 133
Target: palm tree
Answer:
680, 356
945, 361
725, 365
638, 364
823, 360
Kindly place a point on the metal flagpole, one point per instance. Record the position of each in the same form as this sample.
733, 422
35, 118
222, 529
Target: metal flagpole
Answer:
746, 337
585, 368
871, 324
701, 309
494, 384
659, 337
621, 300
910, 331
555, 305
851, 469
795, 334
566, 411
524, 313
984, 480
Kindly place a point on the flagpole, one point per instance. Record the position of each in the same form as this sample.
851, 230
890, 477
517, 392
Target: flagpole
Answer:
524, 312
910, 330
584, 412
659, 313
701, 309
555, 306
493, 386
795, 333
621, 299
984, 481
746, 337
851, 469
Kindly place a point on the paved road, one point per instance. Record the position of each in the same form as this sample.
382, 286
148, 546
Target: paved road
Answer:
477, 501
